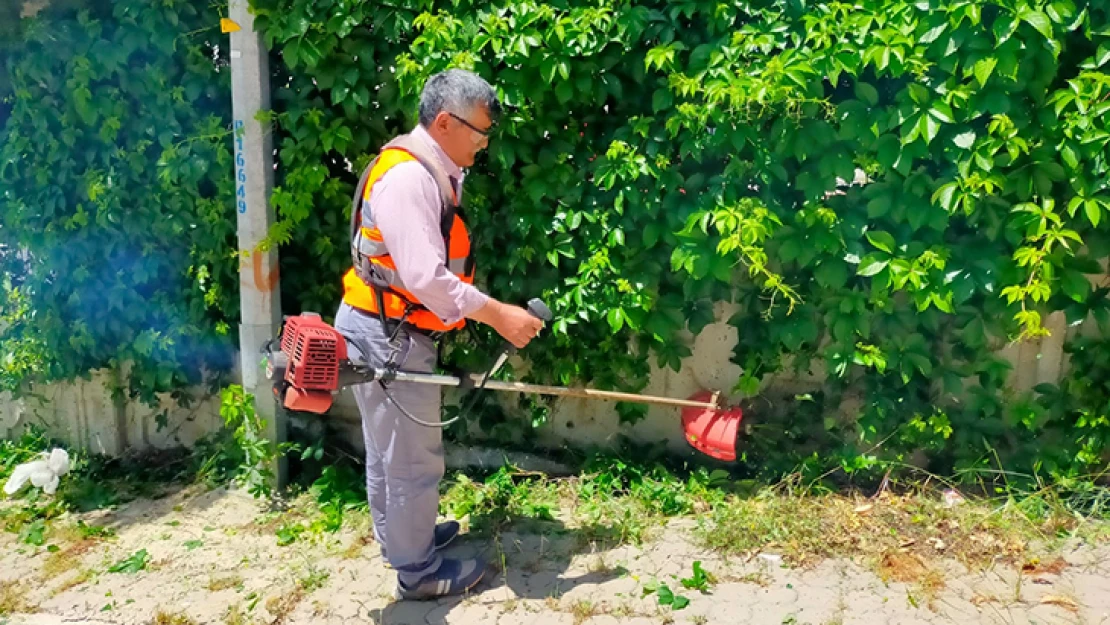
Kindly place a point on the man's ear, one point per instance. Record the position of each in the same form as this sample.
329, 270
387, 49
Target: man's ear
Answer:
441, 121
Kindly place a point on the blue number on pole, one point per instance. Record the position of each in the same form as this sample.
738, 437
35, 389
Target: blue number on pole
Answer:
240, 166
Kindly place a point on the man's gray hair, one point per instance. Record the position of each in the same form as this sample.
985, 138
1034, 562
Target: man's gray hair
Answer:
456, 91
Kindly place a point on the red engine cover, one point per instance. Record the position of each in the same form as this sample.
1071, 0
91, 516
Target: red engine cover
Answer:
315, 350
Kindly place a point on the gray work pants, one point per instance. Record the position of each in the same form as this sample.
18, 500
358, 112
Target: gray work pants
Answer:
404, 460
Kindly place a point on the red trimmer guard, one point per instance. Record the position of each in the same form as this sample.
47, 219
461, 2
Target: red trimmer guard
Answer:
712, 432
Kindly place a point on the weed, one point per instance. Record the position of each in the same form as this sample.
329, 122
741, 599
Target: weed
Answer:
699, 619
288, 534
759, 578
353, 550
132, 564
666, 596
94, 532
13, 599
241, 452
236, 616
503, 497
162, 617
281, 606
582, 610
33, 533
700, 580
80, 578
63, 560
217, 584
313, 579
623, 610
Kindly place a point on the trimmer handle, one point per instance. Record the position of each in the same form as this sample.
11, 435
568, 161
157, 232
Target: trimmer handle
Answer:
539, 310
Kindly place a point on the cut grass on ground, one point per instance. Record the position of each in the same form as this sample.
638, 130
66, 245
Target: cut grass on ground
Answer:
807, 528
803, 527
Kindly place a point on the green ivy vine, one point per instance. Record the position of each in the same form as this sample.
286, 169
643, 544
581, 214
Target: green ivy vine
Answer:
891, 192
888, 192
116, 242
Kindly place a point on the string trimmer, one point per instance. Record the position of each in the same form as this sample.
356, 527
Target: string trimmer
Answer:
311, 365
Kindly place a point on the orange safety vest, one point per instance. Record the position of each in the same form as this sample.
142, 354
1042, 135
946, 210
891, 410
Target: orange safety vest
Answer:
373, 278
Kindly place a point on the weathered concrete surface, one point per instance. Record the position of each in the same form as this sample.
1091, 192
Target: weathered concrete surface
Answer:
211, 562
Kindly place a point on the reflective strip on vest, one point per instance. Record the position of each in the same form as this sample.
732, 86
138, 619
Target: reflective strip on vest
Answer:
372, 246
368, 245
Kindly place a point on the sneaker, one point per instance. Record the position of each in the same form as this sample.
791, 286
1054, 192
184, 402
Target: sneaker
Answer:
445, 533
454, 577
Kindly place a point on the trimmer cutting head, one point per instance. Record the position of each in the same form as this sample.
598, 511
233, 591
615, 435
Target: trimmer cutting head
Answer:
712, 431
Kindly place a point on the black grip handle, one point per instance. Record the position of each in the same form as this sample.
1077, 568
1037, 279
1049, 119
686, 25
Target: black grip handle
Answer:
539, 310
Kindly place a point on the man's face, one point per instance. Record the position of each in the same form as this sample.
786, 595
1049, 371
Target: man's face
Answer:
462, 135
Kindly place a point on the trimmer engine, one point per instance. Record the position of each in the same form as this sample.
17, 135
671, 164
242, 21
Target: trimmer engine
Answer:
306, 370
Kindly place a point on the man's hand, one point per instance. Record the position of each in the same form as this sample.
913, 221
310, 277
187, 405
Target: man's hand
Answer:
514, 323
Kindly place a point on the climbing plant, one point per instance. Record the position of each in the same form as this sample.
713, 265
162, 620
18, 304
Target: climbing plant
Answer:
116, 242
889, 192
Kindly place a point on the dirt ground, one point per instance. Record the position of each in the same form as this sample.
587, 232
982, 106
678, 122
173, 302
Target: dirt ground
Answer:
213, 557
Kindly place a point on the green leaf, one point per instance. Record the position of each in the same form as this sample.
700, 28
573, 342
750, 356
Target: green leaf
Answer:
984, 68
564, 92
911, 129
1094, 212
1036, 19
831, 274
616, 319
1075, 285
133, 564
680, 602
928, 127
882, 240
945, 196
888, 149
867, 93
1102, 57
665, 595
918, 93
33, 533
943, 113
871, 265
661, 100
965, 139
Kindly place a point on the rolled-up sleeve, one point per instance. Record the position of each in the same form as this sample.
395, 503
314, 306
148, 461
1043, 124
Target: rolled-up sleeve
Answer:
405, 204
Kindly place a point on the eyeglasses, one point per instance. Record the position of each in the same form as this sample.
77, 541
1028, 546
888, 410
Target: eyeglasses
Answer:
484, 133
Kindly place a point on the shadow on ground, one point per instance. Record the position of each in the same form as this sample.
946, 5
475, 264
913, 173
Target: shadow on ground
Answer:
528, 560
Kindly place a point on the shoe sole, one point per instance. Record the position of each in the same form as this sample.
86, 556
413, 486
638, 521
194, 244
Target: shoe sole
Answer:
399, 596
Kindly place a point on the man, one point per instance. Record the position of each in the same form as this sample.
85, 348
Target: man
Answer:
412, 281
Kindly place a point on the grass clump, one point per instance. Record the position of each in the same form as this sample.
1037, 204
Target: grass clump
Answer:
162, 617
13, 599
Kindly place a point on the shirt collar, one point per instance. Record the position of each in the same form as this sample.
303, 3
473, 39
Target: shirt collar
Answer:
449, 165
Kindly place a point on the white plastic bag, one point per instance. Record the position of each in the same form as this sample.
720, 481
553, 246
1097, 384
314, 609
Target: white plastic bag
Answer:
44, 473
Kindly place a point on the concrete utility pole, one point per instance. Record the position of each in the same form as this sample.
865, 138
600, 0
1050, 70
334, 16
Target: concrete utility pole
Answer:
259, 293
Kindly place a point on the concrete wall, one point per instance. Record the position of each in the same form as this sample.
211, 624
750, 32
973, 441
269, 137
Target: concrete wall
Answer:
85, 414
